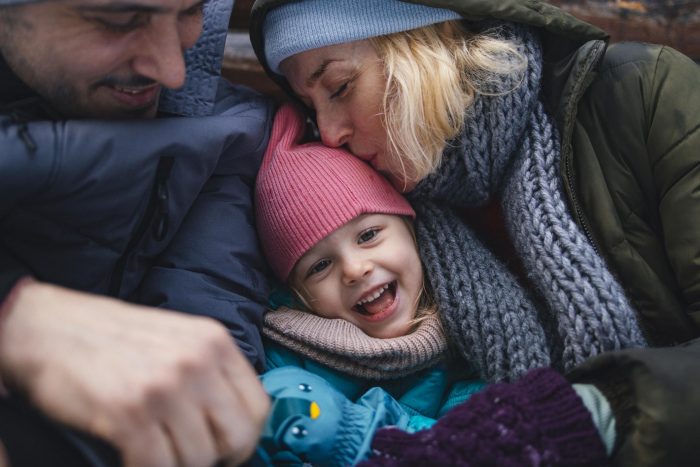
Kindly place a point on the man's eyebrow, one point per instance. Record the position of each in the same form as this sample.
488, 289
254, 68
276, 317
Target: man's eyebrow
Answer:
316, 75
124, 7
133, 7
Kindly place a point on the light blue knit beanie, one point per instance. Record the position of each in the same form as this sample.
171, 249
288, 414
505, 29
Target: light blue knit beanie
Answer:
309, 24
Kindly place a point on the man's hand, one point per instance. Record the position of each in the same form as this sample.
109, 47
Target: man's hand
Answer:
165, 389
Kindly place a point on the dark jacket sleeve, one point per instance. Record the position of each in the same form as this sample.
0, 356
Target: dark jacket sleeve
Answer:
673, 145
13, 185
655, 399
214, 265
11, 271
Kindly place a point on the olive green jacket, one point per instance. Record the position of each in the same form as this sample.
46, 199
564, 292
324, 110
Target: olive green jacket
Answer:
629, 116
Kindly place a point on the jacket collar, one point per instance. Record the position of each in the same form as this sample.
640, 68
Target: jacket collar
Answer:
196, 98
21, 101
12, 89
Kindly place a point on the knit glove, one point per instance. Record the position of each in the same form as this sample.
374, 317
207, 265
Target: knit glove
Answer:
538, 421
318, 424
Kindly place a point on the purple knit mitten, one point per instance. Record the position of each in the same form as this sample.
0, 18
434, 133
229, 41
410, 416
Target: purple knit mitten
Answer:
538, 421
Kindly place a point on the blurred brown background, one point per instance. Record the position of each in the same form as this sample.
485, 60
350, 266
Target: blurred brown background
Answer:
670, 22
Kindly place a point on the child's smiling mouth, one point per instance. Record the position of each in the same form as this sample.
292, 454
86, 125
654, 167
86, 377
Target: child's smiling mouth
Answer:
378, 306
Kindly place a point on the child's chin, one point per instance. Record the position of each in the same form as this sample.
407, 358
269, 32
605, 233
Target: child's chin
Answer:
395, 330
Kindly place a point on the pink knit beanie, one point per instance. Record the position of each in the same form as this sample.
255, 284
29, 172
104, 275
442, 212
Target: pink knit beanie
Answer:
305, 192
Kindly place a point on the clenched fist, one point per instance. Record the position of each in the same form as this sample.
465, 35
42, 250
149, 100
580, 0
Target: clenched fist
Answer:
165, 389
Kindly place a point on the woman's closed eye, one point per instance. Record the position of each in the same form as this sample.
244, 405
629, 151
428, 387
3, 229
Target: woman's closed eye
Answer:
367, 236
340, 90
318, 267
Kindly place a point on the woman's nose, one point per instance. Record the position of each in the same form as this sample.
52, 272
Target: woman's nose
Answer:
334, 128
355, 271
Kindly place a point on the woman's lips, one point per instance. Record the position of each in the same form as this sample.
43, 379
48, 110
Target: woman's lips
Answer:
373, 161
370, 158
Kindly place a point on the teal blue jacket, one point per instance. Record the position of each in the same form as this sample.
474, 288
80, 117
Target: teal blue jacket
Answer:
425, 395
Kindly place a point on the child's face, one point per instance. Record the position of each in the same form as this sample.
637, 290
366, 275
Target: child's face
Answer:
372, 255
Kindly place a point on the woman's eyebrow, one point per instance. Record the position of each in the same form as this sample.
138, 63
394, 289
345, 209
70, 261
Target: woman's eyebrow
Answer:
316, 75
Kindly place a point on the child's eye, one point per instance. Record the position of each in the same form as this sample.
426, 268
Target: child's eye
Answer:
367, 235
320, 266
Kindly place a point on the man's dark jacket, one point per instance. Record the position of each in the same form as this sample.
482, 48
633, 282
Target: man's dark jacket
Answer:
157, 212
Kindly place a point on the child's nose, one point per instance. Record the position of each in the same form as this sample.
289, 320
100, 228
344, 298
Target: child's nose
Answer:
356, 271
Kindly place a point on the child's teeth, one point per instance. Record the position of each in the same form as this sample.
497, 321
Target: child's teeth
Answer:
374, 297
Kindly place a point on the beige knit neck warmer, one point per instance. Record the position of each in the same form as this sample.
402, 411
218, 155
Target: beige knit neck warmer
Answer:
343, 346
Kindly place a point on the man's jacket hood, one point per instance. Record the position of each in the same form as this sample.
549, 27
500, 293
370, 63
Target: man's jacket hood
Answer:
203, 61
196, 97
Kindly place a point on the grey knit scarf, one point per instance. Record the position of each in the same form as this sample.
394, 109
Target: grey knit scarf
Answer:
510, 148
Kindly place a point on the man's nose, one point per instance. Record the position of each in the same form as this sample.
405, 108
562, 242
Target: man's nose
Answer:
160, 57
335, 129
356, 270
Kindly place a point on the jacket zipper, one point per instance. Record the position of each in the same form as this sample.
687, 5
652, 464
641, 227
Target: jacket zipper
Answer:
577, 206
157, 208
570, 177
23, 133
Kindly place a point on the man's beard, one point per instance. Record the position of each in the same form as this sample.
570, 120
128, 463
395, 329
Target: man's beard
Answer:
68, 100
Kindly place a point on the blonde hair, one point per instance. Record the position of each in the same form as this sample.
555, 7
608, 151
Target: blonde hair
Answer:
425, 305
432, 74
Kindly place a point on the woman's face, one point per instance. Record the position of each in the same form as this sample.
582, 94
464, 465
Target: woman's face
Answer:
344, 84
367, 272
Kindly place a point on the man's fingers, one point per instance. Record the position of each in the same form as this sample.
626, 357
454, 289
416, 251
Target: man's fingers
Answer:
245, 382
157, 403
235, 432
192, 436
150, 447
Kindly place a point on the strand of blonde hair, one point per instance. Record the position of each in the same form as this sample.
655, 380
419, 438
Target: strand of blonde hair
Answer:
432, 74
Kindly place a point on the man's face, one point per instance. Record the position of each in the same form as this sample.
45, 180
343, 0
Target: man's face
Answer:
101, 58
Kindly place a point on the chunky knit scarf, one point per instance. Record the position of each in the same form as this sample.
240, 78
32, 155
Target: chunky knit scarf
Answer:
345, 347
510, 148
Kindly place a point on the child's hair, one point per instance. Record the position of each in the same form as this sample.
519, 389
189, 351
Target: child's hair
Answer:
425, 305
